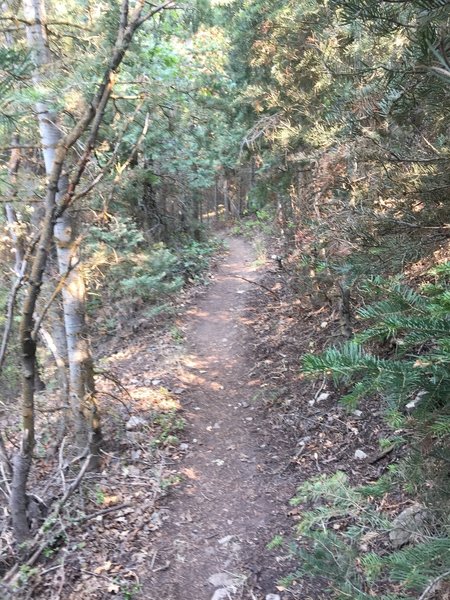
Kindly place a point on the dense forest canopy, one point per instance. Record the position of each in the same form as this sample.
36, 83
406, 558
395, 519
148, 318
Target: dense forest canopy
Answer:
127, 127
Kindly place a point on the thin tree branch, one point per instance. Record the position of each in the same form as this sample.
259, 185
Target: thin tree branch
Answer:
110, 161
100, 513
6, 463
58, 288
10, 312
157, 9
258, 284
41, 539
431, 587
27, 22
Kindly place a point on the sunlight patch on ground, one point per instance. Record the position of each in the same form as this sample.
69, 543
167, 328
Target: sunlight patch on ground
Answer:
126, 353
159, 399
190, 473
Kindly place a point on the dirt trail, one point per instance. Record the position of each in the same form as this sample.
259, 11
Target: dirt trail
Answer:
217, 518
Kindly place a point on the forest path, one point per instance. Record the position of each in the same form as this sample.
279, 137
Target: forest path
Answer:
218, 517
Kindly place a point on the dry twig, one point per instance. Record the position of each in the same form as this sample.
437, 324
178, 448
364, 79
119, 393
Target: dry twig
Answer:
258, 284
46, 532
432, 586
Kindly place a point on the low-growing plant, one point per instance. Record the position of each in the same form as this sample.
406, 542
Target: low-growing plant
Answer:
131, 590
176, 334
194, 258
168, 482
413, 379
260, 222
402, 356
169, 425
123, 266
343, 539
276, 542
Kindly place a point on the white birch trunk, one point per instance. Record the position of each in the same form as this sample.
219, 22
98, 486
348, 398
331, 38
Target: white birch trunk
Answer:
54, 200
13, 224
81, 380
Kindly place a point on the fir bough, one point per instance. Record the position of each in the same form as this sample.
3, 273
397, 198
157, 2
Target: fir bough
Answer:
403, 357
343, 540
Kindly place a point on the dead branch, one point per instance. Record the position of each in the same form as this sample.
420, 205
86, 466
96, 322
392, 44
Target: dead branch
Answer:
345, 311
265, 125
380, 455
10, 311
432, 586
46, 532
61, 464
111, 377
258, 284
100, 513
5, 463
114, 397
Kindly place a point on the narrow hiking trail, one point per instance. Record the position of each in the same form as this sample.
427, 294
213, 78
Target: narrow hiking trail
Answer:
216, 521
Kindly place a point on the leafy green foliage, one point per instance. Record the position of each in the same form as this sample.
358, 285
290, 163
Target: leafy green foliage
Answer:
342, 539
152, 274
260, 223
194, 258
413, 378
419, 367
126, 268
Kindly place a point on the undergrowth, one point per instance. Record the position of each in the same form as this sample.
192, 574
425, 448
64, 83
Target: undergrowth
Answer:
258, 223
401, 356
343, 538
126, 272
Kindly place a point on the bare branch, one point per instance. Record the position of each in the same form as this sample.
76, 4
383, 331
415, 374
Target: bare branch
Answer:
10, 311
258, 284
432, 586
16, 19
40, 541
4, 459
58, 288
110, 161
169, 5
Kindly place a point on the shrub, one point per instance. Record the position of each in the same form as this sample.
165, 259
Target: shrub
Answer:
343, 540
123, 266
403, 357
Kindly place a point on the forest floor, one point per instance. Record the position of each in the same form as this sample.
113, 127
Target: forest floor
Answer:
207, 437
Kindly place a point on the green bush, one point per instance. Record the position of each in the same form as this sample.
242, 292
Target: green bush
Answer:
343, 540
194, 258
413, 375
152, 274
403, 357
261, 222
122, 265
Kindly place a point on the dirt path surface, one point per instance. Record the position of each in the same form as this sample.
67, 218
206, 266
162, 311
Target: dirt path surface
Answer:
217, 519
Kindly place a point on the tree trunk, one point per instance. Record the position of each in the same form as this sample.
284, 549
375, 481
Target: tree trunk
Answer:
216, 199
81, 380
59, 197
56, 339
226, 197
18, 500
14, 227
81, 369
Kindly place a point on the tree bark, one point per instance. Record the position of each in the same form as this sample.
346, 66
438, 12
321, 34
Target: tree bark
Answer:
14, 227
59, 197
81, 380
